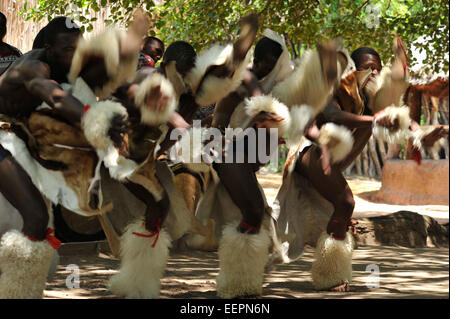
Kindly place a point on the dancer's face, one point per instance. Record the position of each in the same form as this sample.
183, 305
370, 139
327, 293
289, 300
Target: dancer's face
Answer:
263, 65
154, 49
60, 53
370, 61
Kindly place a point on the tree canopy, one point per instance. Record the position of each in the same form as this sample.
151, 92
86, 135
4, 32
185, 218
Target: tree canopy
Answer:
304, 23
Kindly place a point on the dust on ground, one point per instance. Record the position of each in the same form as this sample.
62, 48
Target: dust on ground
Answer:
402, 272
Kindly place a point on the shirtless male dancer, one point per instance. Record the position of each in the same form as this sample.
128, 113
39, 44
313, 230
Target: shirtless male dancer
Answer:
34, 78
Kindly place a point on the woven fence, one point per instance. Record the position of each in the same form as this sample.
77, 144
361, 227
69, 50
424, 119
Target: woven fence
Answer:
21, 33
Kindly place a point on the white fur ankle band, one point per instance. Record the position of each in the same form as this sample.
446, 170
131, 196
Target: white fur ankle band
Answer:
96, 123
332, 263
266, 103
402, 134
339, 140
149, 115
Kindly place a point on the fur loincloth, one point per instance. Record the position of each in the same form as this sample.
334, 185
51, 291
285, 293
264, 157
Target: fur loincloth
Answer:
51, 140
302, 214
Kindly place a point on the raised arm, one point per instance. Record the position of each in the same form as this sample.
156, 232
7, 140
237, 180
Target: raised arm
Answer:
36, 80
333, 113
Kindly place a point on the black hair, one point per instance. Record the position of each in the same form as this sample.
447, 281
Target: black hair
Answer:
38, 42
3, 17
267, 47
59, 25
358, 54
181, 52
150, 39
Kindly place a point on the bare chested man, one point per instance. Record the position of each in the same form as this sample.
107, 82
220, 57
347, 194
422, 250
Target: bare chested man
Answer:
350, 109
31, 80
8, 53
189, 75
271, 66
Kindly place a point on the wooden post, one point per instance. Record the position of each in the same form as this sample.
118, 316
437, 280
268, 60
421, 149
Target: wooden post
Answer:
382, 148
374, 156
348, 170
358, 165
111, 235
365, 161
426, 110
434, 120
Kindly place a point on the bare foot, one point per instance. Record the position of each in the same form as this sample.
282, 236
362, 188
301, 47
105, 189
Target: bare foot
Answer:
345, 287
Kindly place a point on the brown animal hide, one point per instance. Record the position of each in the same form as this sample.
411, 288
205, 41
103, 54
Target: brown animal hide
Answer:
48, 130
438, 88
79, 163
348, 95
302, 213
191, 184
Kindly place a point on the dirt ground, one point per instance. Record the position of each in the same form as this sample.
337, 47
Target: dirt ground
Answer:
403, 272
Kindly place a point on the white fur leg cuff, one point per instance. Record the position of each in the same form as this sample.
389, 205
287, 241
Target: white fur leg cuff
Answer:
148, 114
265, 103
399, 136
142, 266
96, 123
24, 266
339, 140
332, 263
242, 258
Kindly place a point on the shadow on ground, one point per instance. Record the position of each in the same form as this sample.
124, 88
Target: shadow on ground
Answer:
403, 273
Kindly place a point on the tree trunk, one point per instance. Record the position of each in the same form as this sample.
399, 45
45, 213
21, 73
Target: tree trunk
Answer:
374, 155
358, 165
443, 111
348, 170
434, 120
444, 118
365, 160
426, 110
382, 148
289, 40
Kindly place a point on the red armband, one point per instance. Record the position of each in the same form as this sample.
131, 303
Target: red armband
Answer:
52, 240
152, 233
244, 225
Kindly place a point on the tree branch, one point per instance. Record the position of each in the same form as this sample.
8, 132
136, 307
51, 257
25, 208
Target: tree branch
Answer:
356, 11
292, 45
320, 6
